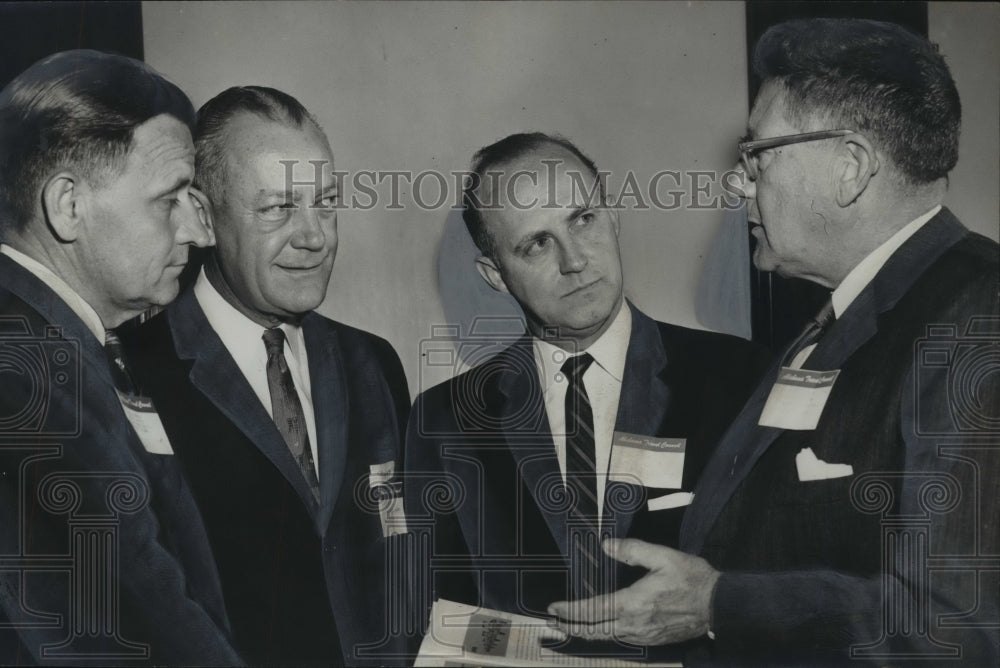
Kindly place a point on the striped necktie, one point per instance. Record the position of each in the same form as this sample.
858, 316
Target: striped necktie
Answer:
584, 524
286, 409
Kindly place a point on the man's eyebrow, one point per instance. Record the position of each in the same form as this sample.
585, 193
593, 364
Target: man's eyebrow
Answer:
284, 194
179, 184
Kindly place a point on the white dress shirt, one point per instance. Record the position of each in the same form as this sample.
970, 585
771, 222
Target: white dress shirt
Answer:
75, 302
603, 381
242, 338
864, 272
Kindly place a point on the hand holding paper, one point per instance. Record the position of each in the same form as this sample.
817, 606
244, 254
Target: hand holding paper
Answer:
669, 604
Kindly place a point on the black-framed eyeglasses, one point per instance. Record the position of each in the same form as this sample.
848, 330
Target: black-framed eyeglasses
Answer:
750, 148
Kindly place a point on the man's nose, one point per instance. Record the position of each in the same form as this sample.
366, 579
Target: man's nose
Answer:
309, 233
573, 258
738, 183
193, 227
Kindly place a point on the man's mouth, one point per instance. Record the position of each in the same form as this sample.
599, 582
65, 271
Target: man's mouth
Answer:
303, 269
583, 287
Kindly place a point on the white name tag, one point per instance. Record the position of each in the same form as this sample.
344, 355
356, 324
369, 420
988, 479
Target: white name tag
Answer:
390, 498
649, 461
797, 398
142, 415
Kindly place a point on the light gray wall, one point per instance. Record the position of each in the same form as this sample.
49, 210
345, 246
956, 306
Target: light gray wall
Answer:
968, 34
420, 86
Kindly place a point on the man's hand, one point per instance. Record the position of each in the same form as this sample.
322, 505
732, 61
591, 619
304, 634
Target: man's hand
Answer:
669, 604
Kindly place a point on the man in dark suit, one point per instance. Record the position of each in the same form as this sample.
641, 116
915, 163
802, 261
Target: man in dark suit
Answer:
105, 558
851, 511
288, 424
597, 421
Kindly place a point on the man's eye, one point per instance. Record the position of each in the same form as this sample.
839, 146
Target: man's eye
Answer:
329, 201
537, 246
277, 211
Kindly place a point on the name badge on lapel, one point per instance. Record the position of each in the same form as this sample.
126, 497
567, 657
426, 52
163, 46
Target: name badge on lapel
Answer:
650, 461
797, 399
388, 490
142, 415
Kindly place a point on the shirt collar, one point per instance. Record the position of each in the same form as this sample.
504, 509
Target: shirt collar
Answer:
863, 273
609, 351
237, 331
76, 303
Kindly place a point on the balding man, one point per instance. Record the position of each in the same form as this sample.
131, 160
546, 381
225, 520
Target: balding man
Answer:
288, 424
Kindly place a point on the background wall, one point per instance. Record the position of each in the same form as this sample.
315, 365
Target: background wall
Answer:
968, 34
420, 86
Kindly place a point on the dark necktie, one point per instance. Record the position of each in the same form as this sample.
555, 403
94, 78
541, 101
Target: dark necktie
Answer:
116, 361
581, 482
811, 334
286, 408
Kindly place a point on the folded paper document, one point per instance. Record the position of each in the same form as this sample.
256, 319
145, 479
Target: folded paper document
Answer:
464, 635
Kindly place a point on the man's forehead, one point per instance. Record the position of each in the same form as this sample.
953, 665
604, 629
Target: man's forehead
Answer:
768, 109
162, 136
162, 150
278, 150
549, 175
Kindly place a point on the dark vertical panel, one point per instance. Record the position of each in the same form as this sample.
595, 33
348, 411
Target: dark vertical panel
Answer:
32, 30
780, 306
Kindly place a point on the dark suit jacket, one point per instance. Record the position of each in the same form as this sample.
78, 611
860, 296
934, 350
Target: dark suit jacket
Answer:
914, 412
303, 581
483, 478
61, 418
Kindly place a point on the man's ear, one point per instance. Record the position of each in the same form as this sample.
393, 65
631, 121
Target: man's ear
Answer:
203, 207
859, 164
491, 274
62, 205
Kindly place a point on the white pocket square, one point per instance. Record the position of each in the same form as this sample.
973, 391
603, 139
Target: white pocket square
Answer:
810, 467
675, 500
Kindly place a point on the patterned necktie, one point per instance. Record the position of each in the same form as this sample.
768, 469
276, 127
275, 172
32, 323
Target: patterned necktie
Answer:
811, 334
116, 361
584, 523
286, 408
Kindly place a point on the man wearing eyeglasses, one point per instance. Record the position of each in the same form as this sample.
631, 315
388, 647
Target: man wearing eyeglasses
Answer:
851, 511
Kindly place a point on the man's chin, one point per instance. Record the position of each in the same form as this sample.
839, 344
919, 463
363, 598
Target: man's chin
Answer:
763, 261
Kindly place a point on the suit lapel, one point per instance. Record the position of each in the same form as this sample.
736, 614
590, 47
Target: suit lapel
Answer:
533, 450
332, 408
745, 441
642, 409
215, 374
34, 292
